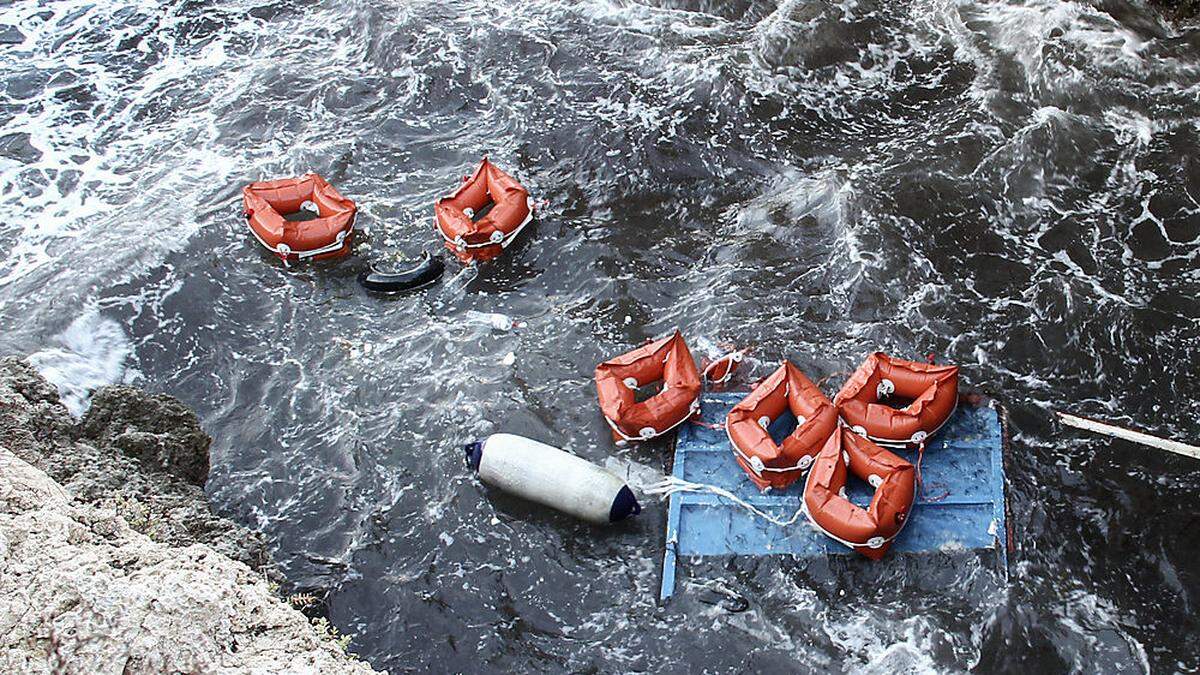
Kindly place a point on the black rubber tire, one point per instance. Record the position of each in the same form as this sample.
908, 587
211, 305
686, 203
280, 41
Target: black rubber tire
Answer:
424, 273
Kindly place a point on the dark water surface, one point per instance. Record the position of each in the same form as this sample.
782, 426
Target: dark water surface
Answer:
1011, 185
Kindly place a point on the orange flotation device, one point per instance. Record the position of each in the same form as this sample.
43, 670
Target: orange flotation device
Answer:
484, 215
326, 234
863, 400
777, 466
617, 382
869, 531
720, 371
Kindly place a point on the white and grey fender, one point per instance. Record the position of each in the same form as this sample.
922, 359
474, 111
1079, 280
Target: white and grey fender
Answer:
551, 477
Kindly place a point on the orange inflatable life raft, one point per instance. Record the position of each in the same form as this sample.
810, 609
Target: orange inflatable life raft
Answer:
928, 394
617, 382
772, 465
869, 531
721, 370
484, 215
323, 229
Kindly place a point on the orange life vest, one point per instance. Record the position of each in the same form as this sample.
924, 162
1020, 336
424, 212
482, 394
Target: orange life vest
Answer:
476, 236
932, 390
779, 465
327, 236
618, 379
869, 531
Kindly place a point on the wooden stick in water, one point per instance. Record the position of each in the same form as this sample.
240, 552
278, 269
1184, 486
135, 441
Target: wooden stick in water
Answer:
1129, 435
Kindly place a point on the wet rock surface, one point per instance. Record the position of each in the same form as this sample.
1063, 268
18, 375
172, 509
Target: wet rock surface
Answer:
110, 559
155, 429
144, 454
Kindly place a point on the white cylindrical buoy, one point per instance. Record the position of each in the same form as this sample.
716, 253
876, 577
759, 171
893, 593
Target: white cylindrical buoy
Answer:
551, 477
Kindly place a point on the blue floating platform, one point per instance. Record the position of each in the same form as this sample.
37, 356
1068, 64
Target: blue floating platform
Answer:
962, 506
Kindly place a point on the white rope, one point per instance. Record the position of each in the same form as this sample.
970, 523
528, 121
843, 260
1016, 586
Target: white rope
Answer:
671, 485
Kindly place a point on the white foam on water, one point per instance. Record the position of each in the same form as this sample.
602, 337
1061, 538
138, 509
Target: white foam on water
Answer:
449, 379
880, 645
90, 353
635, 474
1106, 639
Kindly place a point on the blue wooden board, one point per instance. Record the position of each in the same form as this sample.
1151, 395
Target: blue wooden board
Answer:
961, 506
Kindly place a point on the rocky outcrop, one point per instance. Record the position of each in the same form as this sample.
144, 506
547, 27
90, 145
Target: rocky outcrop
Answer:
158, 430
101, 569
143, 455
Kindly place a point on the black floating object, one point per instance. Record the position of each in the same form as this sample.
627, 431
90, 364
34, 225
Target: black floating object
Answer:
424, 273
729, 600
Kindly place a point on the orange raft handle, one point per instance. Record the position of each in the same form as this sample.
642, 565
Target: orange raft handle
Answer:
722, 369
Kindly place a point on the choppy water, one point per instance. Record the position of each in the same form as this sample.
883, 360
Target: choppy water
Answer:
1012, 185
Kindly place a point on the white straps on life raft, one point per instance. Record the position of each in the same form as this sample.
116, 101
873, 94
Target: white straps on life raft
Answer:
503, 240
756, 462
646, 433
283, 250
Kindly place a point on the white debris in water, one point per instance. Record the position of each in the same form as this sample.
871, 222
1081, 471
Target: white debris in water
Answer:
89, 354
509, 359
637, 476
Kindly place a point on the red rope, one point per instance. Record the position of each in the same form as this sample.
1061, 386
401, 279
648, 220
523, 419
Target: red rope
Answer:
920, 456
921, 482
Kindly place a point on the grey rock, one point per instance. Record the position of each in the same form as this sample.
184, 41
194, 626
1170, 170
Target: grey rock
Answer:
83, 592
11, 35
125, 454
111, 559
156, 429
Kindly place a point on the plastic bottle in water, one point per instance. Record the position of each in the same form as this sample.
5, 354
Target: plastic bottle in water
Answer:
501, 322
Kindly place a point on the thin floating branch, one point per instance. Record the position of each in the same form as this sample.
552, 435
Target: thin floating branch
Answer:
1129, 435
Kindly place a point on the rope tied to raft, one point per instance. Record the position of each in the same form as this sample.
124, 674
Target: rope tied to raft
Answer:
920, 456
671, 485
920, 481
